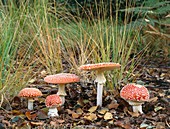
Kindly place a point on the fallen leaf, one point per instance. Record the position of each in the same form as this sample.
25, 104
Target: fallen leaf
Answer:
75, 115
80, 102
1, 118
162, 94
93, 109
154, 99
42, 115
60, 121
160, 125
103, 111
113, 106
122, 124
134, 114
69, 111
32, 81
90, 117
6, 122
79, 111
53, 123
85, 101
158, 108
146, 126
37, 123
82, 122
99, 116
108, 116
111, 122
43, 73
143, 126
30, 116
16, 112
16, 101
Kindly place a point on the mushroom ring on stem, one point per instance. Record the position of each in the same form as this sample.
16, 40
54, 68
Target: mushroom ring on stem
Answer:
52, 102
135, 95
30, 93
100, 78
61, 79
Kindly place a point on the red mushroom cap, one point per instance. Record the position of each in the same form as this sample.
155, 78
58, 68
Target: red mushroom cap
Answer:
134, 92
30, 92
100, 66
62, 78
53, 100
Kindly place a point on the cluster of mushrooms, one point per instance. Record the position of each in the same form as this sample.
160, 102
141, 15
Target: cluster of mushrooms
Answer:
134, 94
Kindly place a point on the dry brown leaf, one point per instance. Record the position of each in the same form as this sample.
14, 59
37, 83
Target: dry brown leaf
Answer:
113, 106
90, 117
108, 116
93, 109
160, 125
16, 101
103, 111
99, 116
43, 73
6, 122
53, 123
32, 81
37, 123
61, 121
122, 124
16, 112
75, 115
30, 116
154, 99
69, 111
42, 115
80, 102
111, 122
133, 114
79, 111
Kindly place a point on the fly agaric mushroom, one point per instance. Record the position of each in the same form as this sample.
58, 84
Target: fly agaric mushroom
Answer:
52, 102
61, 79
135, 95
100, 78
30, 93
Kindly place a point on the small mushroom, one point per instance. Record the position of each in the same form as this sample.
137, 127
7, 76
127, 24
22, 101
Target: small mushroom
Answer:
52, 102
30, 93
135, 95
61, 79
100, 78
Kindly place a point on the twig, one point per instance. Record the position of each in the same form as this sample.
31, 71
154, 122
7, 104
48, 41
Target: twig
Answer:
159, 34
166, 121
2, 99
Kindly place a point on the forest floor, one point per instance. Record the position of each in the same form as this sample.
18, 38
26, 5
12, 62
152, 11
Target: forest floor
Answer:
80, 112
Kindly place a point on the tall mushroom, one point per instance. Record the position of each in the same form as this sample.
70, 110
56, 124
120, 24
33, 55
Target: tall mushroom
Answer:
100, 78
61, 79
52, 102
30, 93
135, 95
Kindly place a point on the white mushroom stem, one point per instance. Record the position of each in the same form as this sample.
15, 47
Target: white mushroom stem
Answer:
62, 93
30, 103
100, 79
62, 99
136, 106
52, 112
